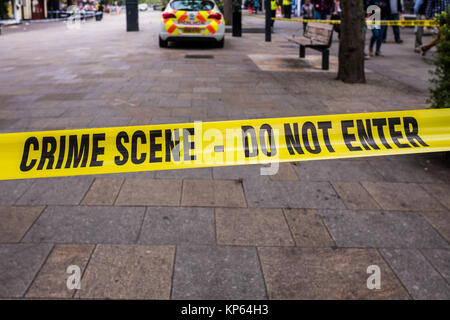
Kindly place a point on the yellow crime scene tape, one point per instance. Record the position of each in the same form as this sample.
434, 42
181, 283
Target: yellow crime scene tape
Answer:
403, 23
208, 144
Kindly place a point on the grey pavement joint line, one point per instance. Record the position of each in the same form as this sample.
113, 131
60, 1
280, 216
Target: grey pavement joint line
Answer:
241, 183
39, 270
180, 200
432, 227
432, 265
86, 193
215, 227
375, 200
141, 226
120, 189
394, 273
173, 271
23, 193
84, 271
283, 210
328, 230
31, 226
262, 273
432, 195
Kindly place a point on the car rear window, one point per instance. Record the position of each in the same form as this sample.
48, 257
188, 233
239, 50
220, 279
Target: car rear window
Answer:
192, 5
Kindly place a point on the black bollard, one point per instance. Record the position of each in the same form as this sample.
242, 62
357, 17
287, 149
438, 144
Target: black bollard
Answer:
132, 15
237, 20
268, 20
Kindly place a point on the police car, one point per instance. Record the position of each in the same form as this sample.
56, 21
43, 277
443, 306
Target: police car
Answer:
192, 19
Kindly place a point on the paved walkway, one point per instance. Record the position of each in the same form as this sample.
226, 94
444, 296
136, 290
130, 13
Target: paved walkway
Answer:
309, 232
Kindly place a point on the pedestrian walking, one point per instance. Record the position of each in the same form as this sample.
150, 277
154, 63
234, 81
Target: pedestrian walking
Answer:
395, 9
434, 8
99, 13
250, 6
307, 12
117, 8
419, 11
255, 6
365, 6
377, 32
337, 16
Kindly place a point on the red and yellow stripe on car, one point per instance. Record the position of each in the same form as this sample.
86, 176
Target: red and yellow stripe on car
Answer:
172, 24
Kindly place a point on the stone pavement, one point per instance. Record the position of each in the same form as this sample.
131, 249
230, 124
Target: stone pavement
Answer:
308, 232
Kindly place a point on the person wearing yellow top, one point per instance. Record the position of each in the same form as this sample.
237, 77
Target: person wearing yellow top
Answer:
273, 11
287, 8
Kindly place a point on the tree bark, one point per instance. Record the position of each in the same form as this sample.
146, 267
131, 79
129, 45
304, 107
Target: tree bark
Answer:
351, 43
228, 12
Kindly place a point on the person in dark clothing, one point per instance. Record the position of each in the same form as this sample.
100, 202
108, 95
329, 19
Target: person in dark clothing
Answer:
99, 13
435, 8
365, 6
377, 32
287, 8
395, 9
419, 11
307, 12
322, 8
273, 11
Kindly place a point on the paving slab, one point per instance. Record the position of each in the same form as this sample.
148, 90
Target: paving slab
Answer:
252, 227
336, 170
354, 196
440, 220
439, 191
440, 259
285, 173
128, 272
18, 266
11, 190
403, 169
56, 191
217, 273
238, 172
59, 123
325, 273
103, 191
290, 194
150, 192
181, 226
417, 275
194, 173
381, 229
401, 196
307, 228
213, 193
16, 221
437, 164
51, 281
87, 224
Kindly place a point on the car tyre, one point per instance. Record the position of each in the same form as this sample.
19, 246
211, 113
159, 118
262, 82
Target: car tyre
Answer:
221, 43
163, 43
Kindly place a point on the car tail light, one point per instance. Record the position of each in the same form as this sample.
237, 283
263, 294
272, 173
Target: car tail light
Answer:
168, 15
215, 16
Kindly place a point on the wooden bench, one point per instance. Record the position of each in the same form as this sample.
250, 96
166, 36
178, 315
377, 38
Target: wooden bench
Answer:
318, 36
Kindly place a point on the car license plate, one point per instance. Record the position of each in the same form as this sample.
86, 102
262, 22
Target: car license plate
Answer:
191, 30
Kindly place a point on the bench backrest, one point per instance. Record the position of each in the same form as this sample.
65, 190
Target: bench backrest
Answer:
319, 32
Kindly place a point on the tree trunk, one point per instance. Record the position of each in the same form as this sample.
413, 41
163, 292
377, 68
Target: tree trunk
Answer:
228, 12
351, 43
